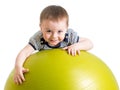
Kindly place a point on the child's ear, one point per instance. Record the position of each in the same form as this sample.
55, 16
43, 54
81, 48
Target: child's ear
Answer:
40, 25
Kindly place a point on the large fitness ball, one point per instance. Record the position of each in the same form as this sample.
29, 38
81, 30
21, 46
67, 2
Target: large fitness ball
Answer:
56, 70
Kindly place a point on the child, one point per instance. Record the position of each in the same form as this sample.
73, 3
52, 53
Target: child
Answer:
54, 33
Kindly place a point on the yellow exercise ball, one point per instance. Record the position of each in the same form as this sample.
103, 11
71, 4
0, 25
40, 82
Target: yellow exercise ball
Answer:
56, 70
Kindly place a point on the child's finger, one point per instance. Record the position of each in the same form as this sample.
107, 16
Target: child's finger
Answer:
73, 52
16, 80
69, 51
78, 52
25, 70
19, 81
21, 77
65, 48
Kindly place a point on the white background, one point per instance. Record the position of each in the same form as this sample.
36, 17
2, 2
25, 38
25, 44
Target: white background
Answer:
98, 20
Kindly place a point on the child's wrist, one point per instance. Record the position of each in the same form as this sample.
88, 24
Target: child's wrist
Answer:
18, 66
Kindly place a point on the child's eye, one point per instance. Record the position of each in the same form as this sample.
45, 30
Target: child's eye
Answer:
48, 30
60, 31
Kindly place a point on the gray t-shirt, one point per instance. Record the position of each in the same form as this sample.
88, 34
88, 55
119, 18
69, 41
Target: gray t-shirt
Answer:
38, 43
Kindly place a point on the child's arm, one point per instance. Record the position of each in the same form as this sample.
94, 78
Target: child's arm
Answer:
82, 44
19, 69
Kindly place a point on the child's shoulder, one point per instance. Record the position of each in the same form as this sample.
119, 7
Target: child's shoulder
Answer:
70, 31
37, 35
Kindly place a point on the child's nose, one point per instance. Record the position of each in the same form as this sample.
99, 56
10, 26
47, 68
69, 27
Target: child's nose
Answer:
54, 35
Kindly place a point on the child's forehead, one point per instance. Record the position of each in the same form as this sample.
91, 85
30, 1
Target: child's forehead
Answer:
55, 20
55, 25
61, 23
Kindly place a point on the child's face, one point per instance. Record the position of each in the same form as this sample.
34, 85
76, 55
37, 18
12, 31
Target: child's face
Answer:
54, 31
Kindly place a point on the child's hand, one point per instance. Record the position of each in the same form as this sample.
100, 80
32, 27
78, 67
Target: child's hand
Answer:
18, 75
72, 49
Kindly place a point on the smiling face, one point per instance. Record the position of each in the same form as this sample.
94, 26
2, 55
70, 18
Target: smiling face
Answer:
54, 31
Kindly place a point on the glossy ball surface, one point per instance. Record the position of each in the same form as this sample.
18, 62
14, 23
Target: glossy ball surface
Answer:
56, 70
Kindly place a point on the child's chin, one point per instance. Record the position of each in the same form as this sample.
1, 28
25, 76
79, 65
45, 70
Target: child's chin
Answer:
53, 45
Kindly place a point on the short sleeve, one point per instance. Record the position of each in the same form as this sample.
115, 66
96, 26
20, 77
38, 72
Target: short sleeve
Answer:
72, 36
34, 41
